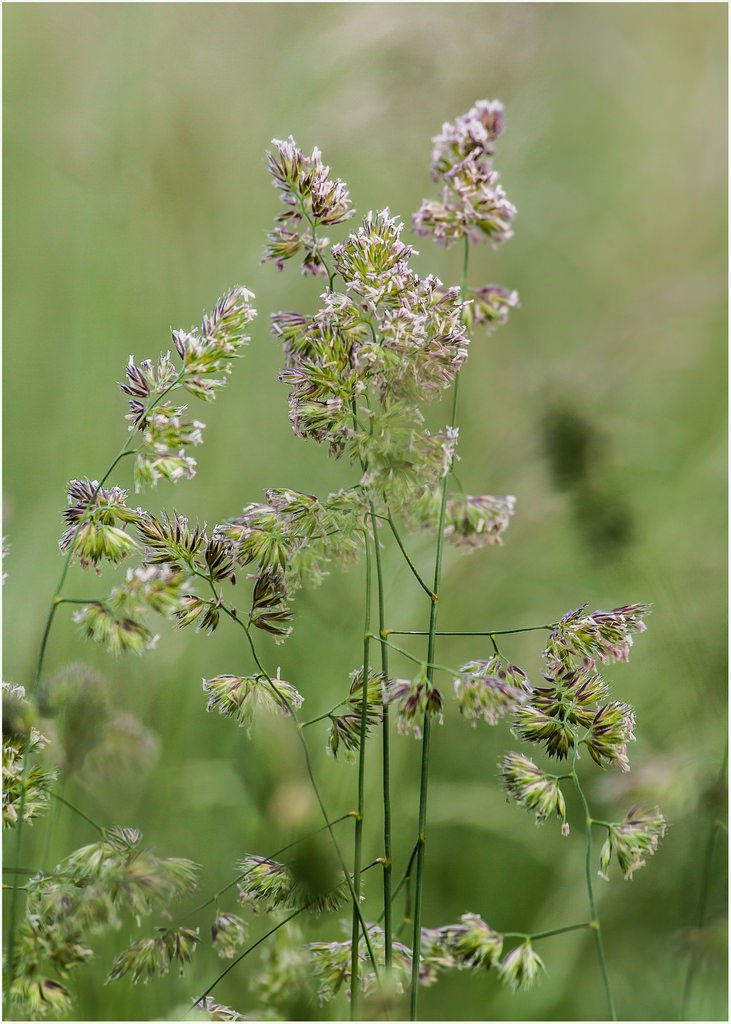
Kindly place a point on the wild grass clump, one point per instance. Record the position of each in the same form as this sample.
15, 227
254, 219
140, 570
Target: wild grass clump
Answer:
381, 345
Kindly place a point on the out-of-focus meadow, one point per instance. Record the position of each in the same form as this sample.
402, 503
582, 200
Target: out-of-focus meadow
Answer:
136, 192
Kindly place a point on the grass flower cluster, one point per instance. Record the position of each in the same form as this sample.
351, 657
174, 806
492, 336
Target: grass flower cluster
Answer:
380, 345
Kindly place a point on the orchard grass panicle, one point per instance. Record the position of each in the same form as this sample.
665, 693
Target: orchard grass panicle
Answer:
533, 788
632, 840
415, 699
490, 689
228, 933
380, 345
521, 966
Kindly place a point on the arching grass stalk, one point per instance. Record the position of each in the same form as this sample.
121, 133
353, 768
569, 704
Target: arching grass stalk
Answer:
594, 924
404, 552
480, 632
386, 760
425, 743
358, 839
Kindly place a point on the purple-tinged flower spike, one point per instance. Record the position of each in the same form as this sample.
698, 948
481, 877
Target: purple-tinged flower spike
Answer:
269, 608
473, 521
270, 885
115, 622
603, 636
152, 957
480, 211
470, 136
228, 934
305, 183
471, 204
413, 699
208, 352
298, 534
536, 726
166, 433
373, 261
94, 512
157, 587
533, 788
490, 689
146, 380
170, 541
238, 697
36, 997
117, 634
345, 729
267, 884
489, 307
310, 195
521, 966
472, 943
632, 840
24, 785
574, 695
610, 730
422, 343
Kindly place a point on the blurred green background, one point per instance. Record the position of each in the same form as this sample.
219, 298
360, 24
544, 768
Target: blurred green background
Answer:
136, 192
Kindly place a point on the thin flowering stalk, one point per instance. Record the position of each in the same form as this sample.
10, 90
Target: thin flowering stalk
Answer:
313, 229
404, 880
78, 811
483, 632
310, 772
354, 959
424, 780
428, 591
326, 714
249, 949
386, 761
534, 936
715, 828
595, 924
432, 665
